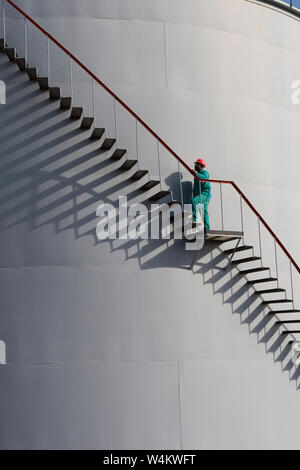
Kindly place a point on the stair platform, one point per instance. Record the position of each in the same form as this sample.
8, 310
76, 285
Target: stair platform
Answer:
222, 235
219, 236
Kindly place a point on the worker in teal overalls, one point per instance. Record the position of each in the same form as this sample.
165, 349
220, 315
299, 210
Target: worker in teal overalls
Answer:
201, 192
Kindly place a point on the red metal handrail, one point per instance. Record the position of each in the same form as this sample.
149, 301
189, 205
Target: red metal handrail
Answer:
156, 136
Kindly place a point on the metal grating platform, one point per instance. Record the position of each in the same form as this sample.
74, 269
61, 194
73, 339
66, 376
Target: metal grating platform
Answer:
222, 235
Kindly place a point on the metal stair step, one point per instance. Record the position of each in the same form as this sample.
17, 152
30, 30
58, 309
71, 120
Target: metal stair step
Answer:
127, 165
266, 279
225, 233
221, 240
43, 83
2, 45
265, 302
239, 248
171, 203
97, 133
65, 102
149, 185
139, 174
118, 154
287, 332
32, 73
246, 260
270, 291
21, 63
76, 112
276, 312
254, 270
160, 195
54, 92
108, 144
11, 53
87, 122
288, 322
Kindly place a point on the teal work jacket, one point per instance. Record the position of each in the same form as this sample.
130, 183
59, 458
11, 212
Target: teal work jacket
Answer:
205, 187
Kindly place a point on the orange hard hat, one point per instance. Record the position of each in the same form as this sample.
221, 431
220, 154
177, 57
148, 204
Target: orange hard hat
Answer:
201, 162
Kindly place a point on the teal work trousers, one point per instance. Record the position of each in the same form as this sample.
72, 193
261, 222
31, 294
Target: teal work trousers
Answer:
204, 199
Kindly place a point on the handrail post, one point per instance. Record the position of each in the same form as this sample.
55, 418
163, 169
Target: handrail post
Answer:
221, 198
292, 287
4, 25
25, 40
137, 144
276, 262
180, 183
71, 79
93, 102
159, 169
115, 119
259, 237
48, 59
242, 217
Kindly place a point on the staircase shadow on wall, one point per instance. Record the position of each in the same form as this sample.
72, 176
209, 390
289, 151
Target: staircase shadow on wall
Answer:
245, 302
51, 172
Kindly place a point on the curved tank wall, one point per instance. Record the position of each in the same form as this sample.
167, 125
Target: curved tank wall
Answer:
116, 344
207, 76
